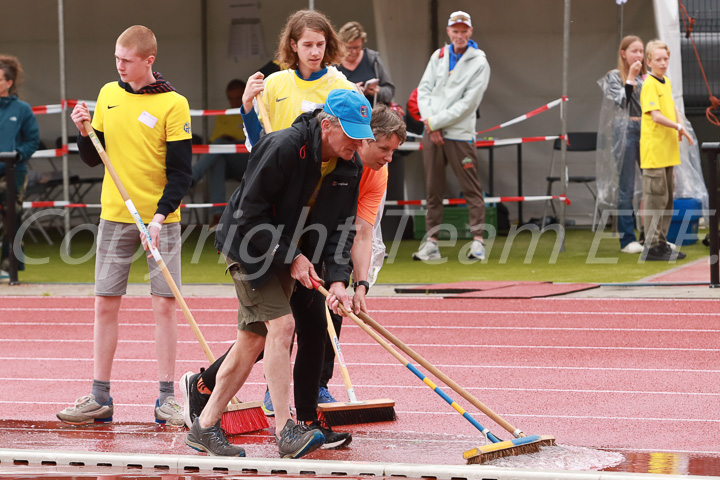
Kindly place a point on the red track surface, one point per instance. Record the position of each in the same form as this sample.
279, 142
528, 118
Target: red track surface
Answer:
632, 375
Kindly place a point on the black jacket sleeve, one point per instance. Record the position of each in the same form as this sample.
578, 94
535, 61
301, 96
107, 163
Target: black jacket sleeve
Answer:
276, 165
178, 170
87, 150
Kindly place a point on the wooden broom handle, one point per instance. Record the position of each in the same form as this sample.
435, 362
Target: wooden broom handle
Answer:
415, 356
435, 371
161, 263
341, 359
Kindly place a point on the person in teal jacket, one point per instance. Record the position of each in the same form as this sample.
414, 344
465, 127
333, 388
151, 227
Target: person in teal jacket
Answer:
18, 133
18, 126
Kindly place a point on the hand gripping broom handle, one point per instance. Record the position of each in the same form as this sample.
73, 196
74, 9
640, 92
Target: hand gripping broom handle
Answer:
264, 113
153, 250
409, 366
445, 379
341, 359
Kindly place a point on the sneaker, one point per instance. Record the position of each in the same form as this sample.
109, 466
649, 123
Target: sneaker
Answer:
632, 247
298, 439
324, 396
170, 412
477, 250
267, 405
87, 410
4, 275
427, 251
662, 253
332, 439
212, 440
193, 400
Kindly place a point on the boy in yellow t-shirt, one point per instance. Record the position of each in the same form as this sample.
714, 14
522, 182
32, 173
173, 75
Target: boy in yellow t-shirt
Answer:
144, 125
660, 133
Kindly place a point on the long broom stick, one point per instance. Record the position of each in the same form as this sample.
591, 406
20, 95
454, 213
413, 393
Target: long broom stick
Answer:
250, 420
410, 367
482, 454
354, 411
517, 446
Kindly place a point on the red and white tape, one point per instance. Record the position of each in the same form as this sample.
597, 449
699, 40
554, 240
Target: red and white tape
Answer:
214, 113
530, 114
231, 148
461, 201
57, 108
414, 146
447, 201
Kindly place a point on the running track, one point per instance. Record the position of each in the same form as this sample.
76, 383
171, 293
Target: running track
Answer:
630, 375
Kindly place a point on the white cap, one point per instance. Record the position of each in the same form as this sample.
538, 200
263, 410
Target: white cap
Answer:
459, 17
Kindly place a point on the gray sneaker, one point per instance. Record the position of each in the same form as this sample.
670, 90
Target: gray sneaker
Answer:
212, 440
298, 439
170, 412
87, 410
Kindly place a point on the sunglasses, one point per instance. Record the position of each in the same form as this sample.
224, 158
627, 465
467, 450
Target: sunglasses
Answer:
460, 18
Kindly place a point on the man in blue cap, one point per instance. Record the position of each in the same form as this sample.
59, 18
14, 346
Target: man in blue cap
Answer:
294, 209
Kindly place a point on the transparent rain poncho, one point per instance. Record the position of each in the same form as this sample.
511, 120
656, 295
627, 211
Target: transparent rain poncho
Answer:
611, 140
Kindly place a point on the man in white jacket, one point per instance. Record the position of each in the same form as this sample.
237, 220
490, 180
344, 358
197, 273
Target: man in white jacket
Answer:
449, 95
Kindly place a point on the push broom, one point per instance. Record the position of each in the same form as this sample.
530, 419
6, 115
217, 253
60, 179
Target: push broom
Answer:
238, 417
353, 411
521, 444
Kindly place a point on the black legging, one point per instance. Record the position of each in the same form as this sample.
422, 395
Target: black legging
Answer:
315, 355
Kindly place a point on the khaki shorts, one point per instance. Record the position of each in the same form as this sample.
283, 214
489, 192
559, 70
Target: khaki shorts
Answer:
257, 306
118, 244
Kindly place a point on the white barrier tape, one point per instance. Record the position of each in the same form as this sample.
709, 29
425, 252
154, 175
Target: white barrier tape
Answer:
58, 107
232, 148
55, 152
530, 114
447, 201
461, 201
211, 113
415, 146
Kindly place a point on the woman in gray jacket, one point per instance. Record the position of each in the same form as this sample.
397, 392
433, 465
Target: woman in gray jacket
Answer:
363, 66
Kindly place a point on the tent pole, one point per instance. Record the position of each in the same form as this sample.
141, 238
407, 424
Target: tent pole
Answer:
63, 118
563, 117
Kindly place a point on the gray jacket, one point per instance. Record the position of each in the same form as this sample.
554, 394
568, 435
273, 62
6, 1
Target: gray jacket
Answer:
449, 100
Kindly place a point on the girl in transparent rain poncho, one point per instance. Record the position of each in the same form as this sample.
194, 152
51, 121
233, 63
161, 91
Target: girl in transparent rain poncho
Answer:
618, 147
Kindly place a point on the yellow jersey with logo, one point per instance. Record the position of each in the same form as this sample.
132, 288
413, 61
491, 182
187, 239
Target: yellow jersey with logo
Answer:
286, 95
136, 129
659, 145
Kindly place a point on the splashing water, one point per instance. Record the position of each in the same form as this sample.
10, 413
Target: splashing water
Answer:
562, 457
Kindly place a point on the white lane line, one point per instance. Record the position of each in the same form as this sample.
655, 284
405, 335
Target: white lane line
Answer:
454, 414
407, 327
663, 348
439, 365
408, 312
415, 387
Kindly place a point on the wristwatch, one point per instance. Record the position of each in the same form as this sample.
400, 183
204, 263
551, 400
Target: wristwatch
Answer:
362, 283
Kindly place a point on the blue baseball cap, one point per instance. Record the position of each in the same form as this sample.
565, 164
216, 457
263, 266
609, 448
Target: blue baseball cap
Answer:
354, 112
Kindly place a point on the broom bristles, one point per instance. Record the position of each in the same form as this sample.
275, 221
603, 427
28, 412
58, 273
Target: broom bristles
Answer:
241, 418
351, 413
510, 448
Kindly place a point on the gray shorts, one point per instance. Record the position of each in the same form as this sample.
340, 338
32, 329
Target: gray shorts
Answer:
118, 244
257, 306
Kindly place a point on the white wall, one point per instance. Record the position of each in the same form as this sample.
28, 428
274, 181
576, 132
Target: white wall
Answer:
522, 39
